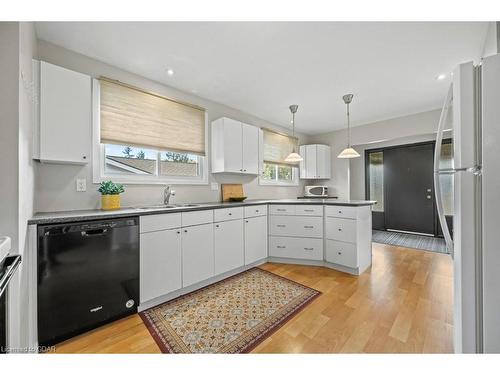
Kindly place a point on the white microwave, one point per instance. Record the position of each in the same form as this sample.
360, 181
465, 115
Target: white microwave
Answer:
316, 191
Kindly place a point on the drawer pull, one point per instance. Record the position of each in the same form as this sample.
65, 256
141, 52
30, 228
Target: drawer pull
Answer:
217, 225
281, 247
229, 213
340, 229
281, 225
246, 221
281, 209
309, 248
340, 212
308, 210
256, 210
308, 226
340, 252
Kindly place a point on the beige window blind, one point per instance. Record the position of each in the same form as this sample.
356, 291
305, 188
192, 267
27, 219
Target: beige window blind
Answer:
277, 147
130, 116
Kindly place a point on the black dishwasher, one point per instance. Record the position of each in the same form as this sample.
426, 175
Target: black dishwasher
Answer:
88, 275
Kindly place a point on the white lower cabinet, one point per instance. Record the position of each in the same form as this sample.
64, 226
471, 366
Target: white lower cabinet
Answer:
197, 253
255, 239
296, 247
343, 253
160, 263
228, 240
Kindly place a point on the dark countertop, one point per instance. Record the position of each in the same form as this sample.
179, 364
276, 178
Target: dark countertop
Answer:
83, 215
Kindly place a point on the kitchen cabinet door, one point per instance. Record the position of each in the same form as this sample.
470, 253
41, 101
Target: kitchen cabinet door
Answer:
65, 116
250, 149
197, 253
255, 239
228, 239
160, 263
311, 161
302, 163
323, 161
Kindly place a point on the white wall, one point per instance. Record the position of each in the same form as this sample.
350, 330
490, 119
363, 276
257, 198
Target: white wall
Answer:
56, 186
18, 46
405, 129
491, 43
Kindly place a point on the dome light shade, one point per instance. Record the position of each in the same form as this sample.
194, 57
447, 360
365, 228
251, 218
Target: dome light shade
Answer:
294, 158
348, 153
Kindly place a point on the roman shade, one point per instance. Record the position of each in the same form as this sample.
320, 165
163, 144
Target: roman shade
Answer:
277, 147
131, 116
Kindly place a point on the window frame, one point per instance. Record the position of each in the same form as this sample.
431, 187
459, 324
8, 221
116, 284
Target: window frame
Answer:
293, 182
99, 160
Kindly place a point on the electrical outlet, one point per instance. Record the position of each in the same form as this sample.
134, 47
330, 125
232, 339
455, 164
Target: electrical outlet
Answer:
81, 184
215, 186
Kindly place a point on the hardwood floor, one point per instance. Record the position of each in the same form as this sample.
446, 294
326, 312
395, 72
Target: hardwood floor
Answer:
403, 304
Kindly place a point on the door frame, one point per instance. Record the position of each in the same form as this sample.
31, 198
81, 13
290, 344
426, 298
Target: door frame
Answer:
367, 179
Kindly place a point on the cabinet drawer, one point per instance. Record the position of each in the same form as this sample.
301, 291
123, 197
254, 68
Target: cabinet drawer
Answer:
346, 212
343, 253
224, 214
309, 210
340, 229
152, 223
296, 226
282, 209
252, 211
197, 217
297, 248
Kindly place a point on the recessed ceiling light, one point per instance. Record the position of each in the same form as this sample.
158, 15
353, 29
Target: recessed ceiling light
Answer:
170, 72
441, 77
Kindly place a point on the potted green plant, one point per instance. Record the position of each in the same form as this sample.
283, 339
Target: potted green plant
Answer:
110, 195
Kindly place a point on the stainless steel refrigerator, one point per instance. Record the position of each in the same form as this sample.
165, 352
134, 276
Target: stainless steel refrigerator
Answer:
472, 110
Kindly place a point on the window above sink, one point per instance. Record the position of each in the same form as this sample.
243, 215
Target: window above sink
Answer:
125, 151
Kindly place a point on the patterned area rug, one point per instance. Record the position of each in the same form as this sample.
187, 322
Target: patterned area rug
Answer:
231, 316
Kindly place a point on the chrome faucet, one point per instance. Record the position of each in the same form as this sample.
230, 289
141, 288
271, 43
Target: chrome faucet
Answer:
167, 193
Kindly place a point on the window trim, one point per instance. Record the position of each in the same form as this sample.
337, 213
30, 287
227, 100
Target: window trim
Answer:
293, 182
98, 159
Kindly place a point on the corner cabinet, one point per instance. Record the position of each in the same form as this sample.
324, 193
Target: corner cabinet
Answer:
235, 147
63, 115
316, 163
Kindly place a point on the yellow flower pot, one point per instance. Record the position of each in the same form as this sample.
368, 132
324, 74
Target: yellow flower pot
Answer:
110, 202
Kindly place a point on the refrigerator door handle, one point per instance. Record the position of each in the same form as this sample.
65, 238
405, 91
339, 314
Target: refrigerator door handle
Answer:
476, 170
437, 185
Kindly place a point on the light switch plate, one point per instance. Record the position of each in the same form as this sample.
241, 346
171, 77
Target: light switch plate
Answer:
215, 186
81, 184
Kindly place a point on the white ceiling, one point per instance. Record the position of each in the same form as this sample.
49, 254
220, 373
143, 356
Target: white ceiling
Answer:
262, 68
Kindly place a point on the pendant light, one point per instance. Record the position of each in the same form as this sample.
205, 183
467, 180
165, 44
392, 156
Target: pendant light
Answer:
348, 152
294, 157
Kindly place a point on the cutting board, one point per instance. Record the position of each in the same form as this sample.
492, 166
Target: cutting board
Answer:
231, 190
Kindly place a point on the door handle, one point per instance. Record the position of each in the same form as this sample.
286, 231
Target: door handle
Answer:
94, 232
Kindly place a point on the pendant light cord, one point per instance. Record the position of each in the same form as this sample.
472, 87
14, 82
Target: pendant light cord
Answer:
348, 128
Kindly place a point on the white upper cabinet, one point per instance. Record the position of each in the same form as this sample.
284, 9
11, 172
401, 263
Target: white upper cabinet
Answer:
316, 163
235, 147
63, 120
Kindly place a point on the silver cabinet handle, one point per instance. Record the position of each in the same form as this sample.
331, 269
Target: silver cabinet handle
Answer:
308, 248
280, 209
281, 247
308, 226
308, 210
281, 225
